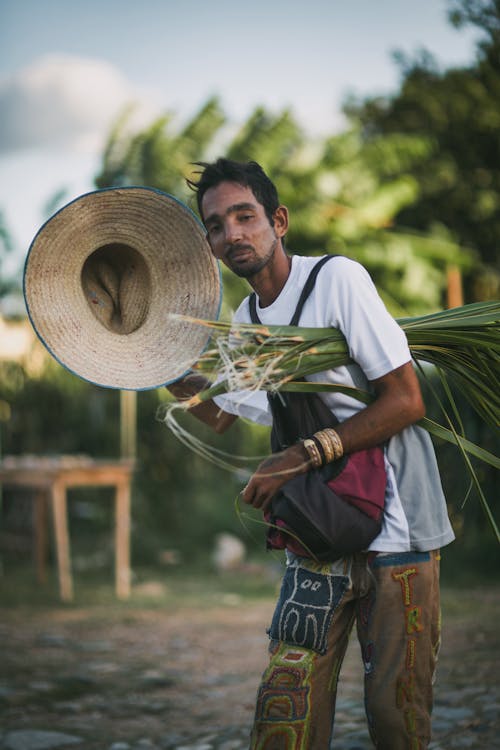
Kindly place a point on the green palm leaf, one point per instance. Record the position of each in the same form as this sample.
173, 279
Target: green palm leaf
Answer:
464, 343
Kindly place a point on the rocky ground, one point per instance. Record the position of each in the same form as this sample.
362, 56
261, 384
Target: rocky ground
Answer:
104, 678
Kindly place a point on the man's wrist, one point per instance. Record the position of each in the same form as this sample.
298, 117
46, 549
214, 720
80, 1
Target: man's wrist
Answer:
188, 386
302, 458
323, 447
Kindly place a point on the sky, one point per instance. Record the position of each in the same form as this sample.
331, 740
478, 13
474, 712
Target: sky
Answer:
68, 68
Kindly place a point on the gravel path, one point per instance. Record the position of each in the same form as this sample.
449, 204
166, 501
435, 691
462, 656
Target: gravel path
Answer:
129, 679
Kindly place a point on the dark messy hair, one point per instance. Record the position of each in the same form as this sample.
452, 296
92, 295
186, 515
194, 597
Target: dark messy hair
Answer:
248, 174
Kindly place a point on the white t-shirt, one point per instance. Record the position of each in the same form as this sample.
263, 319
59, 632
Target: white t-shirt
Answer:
344, 297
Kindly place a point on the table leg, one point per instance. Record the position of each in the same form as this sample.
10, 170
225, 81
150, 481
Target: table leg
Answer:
122, 540
40, 523
60, 517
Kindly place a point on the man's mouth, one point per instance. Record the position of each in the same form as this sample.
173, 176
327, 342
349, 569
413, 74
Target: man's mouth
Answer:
239, 253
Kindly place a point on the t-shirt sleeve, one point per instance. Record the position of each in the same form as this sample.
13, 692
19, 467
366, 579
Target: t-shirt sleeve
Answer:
376, 342
247, 404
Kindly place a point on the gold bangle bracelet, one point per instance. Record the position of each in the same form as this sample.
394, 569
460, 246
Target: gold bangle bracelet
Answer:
317, 458
331, 442
313, 452
323, 439
336, 442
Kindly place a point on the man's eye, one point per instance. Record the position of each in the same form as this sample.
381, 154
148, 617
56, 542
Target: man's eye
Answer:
245, 217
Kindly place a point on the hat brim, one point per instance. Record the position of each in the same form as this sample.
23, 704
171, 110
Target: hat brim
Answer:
184, 279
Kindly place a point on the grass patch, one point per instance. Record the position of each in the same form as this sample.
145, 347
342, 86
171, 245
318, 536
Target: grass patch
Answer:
170, 588
192, 585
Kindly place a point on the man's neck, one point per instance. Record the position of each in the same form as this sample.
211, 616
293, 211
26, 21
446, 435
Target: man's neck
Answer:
269, 282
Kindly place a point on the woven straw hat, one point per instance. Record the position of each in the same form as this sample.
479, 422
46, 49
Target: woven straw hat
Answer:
102, 278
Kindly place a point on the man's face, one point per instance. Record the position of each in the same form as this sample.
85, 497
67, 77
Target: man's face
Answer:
238, 229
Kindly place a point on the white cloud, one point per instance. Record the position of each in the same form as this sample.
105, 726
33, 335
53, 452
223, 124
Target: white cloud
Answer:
63, 101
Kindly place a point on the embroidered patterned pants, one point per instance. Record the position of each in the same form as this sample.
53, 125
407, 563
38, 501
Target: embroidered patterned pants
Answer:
394, 600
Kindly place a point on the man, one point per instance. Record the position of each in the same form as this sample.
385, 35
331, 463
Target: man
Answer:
391, 591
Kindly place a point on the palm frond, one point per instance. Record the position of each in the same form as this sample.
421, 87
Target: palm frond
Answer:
464, 343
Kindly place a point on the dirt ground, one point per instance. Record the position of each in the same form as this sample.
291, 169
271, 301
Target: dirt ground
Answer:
114, 675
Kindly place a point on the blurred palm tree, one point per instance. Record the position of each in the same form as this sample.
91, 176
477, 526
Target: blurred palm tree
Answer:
457, 110
343, 193
359, 189
158, 157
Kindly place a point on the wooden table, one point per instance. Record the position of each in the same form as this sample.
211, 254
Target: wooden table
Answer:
50, 478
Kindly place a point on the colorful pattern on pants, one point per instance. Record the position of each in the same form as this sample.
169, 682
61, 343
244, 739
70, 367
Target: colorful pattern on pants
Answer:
405, 685
283, 701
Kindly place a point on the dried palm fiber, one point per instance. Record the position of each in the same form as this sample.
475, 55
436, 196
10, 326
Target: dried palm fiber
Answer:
104, 274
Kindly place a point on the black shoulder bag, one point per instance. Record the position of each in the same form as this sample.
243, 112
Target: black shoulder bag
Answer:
333, 511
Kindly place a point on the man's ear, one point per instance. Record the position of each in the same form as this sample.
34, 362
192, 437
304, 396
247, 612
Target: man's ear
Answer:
280, 219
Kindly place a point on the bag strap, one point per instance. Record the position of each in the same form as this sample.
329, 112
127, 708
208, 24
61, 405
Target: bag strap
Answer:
306, 291
289, 410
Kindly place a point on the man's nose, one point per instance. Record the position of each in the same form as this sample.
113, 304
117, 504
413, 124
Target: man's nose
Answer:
232, 232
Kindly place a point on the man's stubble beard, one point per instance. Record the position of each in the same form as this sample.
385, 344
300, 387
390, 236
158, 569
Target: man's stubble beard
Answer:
252, 269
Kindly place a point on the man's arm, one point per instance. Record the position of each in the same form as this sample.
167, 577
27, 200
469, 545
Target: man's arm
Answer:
207, 411
398, 403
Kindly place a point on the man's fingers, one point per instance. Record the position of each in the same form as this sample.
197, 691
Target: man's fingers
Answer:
266, 504
251, 495
247, 494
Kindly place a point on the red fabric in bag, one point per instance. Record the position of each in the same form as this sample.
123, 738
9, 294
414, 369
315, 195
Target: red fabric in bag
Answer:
363, 481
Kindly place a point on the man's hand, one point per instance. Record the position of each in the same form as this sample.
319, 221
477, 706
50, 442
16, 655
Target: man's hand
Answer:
272, 474
206, 411
188, 386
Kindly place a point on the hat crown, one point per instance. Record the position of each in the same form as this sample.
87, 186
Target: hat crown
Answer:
117, 286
